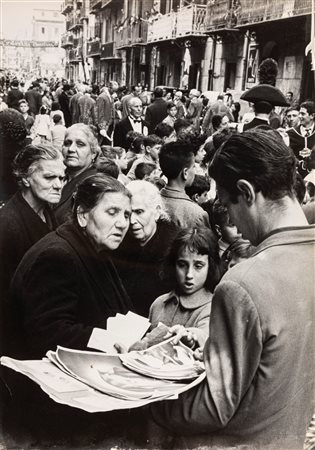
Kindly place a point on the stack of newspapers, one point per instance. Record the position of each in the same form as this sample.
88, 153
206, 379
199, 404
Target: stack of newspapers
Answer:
98, 381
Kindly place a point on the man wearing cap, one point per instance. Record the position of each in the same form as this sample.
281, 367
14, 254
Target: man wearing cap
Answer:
259, 358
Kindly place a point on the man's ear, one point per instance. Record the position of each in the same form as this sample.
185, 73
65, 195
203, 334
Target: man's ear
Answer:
246, 191
25, 182
184, 173
82, 217
195, 198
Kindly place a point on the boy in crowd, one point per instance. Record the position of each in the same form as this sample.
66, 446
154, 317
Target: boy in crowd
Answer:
29, 120
198, 191
177, 163
152, 145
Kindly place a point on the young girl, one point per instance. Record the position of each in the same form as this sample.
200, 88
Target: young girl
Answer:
41, 127
194, 265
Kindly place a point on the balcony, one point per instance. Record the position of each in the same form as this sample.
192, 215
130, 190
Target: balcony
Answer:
66, 7
95, 5
108, 51
66, 40
75, 42
74, 21
218, 16
188, 21
93, 48
257, 11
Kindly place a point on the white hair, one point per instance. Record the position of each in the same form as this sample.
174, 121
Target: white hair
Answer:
151, 194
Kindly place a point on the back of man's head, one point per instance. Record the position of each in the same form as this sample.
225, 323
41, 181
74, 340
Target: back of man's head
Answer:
174, 157
263, 107
158, 92
163, 130
152, 140
258, 157
309, 106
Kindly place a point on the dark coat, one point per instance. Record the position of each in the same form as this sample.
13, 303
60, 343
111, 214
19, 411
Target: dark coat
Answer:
298, 142
34, 100
155, 113
140, 268
63, 209
62, 290
64, 101
256, 122
20, 228
121, 131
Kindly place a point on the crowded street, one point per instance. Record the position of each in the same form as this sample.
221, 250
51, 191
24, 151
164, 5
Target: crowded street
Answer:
157, 224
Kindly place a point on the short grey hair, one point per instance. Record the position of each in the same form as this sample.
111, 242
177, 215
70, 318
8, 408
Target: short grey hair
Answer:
89, 134
151, 194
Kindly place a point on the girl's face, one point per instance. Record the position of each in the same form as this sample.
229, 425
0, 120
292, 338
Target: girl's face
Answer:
191, 271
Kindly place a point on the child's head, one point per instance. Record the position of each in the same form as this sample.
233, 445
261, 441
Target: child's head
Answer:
55, 106
165, 132
117, 154
42, 110
23, 106
144, 170
135, 141
198, 191
194, 260
172, 109
223, 227
107, 166
57, 119
177, 160
152, 146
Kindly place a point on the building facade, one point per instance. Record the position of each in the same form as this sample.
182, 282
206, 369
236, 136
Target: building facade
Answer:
204, 44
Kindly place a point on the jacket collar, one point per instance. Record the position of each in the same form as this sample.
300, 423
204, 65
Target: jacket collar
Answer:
194, 301
287, 236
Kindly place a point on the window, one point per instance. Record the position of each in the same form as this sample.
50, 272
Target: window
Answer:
43, 30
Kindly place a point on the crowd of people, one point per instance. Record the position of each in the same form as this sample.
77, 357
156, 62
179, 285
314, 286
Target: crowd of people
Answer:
190, 213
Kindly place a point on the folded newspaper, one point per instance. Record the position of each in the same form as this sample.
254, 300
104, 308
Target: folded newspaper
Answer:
96, 382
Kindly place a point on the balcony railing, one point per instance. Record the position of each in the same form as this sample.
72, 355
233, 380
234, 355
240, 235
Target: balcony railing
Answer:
94, 4
75, 21
134, 34
254, 11
108, 51
66, 40
73, 55
93, 48
66, 6
217, 16
189, 20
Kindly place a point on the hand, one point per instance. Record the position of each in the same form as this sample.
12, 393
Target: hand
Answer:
182, 334
120, 348
198, 354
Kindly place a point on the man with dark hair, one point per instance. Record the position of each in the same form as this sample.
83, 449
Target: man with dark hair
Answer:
259, 358
262, 112
34, 98
165, 132
302, 137
152, 145
64, 101
198, 190
177, 162
291, 118
157, 111
14, 95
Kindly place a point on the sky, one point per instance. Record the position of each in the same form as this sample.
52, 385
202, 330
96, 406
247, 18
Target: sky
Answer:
16, 16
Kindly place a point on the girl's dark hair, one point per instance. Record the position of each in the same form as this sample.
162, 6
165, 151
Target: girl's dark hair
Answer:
25, 161
200, 240
91, 190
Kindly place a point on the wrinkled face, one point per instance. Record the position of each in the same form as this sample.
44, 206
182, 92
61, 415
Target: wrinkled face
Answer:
107, 223
200, 154
173, 111
155, 151
135, 107
306, 119
76, 150
46, 181
191, 271
143, 218
293, 118
177, 96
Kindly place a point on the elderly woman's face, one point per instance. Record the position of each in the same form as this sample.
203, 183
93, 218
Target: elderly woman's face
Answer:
107, 223
46, 181
76, 150
143, 218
